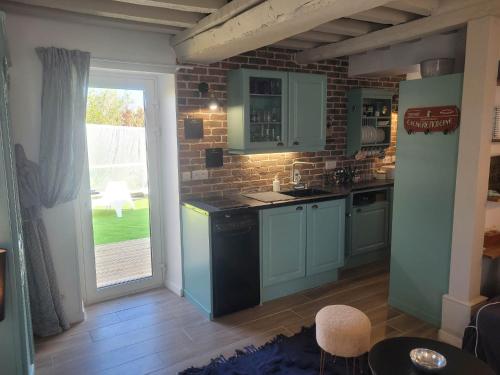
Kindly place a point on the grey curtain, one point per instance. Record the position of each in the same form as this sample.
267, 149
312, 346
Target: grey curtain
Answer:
57, 177
47, 314
62, 140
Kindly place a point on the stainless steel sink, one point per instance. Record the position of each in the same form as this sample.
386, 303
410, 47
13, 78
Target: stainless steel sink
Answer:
300, 193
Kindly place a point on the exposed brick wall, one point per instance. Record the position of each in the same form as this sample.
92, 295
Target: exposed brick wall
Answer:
255, 172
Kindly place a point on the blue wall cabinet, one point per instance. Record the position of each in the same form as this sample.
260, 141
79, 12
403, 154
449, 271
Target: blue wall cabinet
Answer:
370, 228
307, 111
370, 108
271, 111
284, 233
325, 236
302, 246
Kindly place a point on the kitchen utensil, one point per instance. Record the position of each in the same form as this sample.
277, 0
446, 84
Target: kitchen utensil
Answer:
427, 359
436, 67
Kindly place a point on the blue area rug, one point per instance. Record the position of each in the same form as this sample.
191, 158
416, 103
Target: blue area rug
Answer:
296, 355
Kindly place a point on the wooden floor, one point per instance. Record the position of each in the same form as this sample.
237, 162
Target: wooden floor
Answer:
159, 333
122, 261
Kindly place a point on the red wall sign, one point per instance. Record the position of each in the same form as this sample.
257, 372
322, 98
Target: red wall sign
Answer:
432, 119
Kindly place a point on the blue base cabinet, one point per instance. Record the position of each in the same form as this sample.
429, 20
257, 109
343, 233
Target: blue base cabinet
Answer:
325, 236
284, 233
302, 246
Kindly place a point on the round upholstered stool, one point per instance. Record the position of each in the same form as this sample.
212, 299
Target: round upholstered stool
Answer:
342, 331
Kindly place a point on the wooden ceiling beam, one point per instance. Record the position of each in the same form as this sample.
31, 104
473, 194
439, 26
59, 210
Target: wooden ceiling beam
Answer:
196, 6
295, 44
228, 11
420, 7
384, 15
319, 37
422, 27
265, 24
348, 27
131, 12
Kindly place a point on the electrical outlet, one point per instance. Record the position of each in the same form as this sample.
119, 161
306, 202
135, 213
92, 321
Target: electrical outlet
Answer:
330, 164
186, 176
201, 174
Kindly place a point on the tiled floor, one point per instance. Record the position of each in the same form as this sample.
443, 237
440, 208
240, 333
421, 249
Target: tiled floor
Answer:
159, 333
122, 261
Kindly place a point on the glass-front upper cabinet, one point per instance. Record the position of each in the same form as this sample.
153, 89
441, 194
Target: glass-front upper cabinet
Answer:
257, 110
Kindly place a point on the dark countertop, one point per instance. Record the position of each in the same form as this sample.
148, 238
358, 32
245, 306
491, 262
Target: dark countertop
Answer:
335, 192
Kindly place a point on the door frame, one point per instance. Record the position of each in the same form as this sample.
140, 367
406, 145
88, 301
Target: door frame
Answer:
86, 254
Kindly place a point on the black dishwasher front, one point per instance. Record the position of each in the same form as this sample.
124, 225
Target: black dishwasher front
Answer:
235, 261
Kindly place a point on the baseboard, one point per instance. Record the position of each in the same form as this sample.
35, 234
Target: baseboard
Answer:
173, 287
450, 338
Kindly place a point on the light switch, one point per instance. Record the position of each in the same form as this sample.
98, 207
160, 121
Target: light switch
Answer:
330, 164
201, 174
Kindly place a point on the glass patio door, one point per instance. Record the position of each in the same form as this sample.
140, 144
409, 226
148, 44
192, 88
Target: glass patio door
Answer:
119, 197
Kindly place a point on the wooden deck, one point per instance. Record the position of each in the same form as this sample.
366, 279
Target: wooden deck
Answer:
158, 333
123, 261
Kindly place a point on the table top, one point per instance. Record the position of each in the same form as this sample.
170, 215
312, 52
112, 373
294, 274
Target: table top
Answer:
392, 356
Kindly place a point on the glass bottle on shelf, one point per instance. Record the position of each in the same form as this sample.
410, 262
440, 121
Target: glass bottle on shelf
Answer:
274, 115
253, 116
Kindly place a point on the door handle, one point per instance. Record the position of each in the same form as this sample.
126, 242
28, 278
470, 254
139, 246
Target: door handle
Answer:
296, 143
315, 206
299, 208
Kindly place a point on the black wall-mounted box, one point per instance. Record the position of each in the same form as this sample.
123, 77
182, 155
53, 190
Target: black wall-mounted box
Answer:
214, 157
193, 128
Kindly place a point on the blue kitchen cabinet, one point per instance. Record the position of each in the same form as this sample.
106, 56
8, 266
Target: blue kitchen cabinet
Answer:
272, 111
196, 258
302, 246
424, 196
368, 108
325, 236
307, 111
284, 241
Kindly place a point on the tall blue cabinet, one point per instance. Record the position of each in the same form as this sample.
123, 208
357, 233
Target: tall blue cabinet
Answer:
424, 195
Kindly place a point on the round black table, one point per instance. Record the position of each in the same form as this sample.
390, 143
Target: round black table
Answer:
392, 357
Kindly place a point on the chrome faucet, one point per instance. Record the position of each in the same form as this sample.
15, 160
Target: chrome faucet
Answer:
296, 176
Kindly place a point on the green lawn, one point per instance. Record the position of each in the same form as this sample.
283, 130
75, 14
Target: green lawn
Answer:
134, 224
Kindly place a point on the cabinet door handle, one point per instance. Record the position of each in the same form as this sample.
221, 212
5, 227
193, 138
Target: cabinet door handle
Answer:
348, 214
296, 143
280, 144
315, 206
299, 208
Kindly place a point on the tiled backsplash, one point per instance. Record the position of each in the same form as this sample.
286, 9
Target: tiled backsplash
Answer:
256, 172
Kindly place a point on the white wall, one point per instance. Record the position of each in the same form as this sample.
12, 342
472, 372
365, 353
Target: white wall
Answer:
24, 34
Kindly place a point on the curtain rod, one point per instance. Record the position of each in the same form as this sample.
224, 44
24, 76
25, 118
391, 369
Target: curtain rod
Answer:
101, 63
